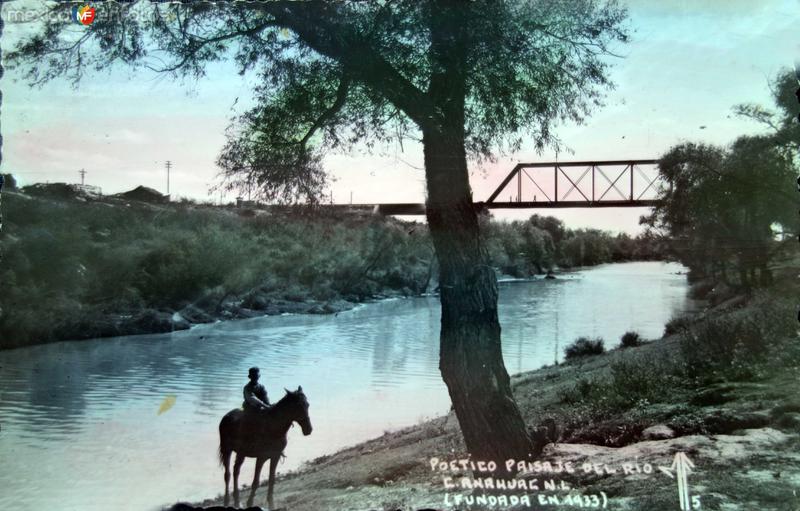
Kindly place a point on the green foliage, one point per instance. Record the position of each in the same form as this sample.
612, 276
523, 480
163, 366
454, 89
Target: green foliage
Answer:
181, 266
583, 347
536, 245
725, 205
9, 182
783, 125
677, 324
635, 381
586, 247
69, 263
630, 340
331, 75
736, 346
743, 344
518, 248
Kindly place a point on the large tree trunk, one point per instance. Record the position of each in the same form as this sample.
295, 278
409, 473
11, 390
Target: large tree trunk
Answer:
471, 359
470, 355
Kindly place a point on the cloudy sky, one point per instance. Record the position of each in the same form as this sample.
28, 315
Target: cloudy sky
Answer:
688, 63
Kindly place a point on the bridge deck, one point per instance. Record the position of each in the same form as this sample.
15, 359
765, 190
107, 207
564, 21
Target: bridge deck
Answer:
410, 208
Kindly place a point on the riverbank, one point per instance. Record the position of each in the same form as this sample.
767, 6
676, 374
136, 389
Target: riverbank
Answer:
80, 265
722, 390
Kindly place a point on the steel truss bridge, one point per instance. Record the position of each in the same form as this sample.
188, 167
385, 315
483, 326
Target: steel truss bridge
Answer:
575, 184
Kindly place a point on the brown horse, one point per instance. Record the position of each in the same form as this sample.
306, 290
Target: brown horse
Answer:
260, 435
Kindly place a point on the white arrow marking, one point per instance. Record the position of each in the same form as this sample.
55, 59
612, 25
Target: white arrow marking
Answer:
682, 466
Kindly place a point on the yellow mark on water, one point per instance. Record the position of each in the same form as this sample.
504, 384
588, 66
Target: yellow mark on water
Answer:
168, 403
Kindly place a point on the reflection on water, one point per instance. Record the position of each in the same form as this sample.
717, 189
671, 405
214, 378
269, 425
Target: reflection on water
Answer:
79, 420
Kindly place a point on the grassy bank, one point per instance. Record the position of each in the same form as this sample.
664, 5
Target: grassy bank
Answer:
81, 266
723, 390
86, 267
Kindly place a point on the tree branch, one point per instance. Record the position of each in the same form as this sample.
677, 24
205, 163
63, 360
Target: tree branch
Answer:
203, 42
341, 96
313, 24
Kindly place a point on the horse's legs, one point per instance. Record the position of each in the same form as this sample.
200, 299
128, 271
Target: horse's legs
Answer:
237, 465
256, 477
226, 461
273, 464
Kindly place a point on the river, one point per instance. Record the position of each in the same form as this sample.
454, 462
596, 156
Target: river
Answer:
79, 421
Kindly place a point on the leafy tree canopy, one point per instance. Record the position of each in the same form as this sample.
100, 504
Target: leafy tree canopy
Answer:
472, 77
785, 129
335, 73
726, 203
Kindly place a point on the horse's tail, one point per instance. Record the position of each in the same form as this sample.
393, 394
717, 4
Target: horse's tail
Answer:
222, 453
225, 431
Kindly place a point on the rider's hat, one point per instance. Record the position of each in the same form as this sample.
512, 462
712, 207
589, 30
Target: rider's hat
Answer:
252, 372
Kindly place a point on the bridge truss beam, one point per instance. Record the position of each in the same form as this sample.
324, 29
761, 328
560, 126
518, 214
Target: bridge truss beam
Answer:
589, 198
618, 175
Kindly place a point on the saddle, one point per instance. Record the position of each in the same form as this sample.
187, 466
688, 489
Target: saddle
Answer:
253, 422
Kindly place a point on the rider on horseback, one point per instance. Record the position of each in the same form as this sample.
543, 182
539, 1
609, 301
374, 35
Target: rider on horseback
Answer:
255, 395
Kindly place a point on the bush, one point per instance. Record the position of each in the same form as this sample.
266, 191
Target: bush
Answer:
677, 325
583, 346
630, 340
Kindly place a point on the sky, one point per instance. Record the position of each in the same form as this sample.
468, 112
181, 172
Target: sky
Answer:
687, 65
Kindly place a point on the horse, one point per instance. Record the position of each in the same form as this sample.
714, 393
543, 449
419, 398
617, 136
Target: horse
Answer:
260, 435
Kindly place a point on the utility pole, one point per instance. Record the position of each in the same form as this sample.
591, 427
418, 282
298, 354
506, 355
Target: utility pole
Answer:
168, 164
82, 172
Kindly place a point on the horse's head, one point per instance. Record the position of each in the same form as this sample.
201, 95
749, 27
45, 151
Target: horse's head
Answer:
298, 409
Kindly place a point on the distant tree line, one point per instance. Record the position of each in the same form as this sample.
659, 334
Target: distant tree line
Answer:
542, 243
75, 267
466, 79
731, 212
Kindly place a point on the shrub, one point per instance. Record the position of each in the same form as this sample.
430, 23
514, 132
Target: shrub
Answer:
577, 393
630, 340
583, 346
677, 325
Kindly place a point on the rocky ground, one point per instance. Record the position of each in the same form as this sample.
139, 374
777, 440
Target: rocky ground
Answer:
152, 321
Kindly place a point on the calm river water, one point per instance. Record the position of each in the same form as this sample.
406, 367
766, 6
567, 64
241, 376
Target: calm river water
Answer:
80, 428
